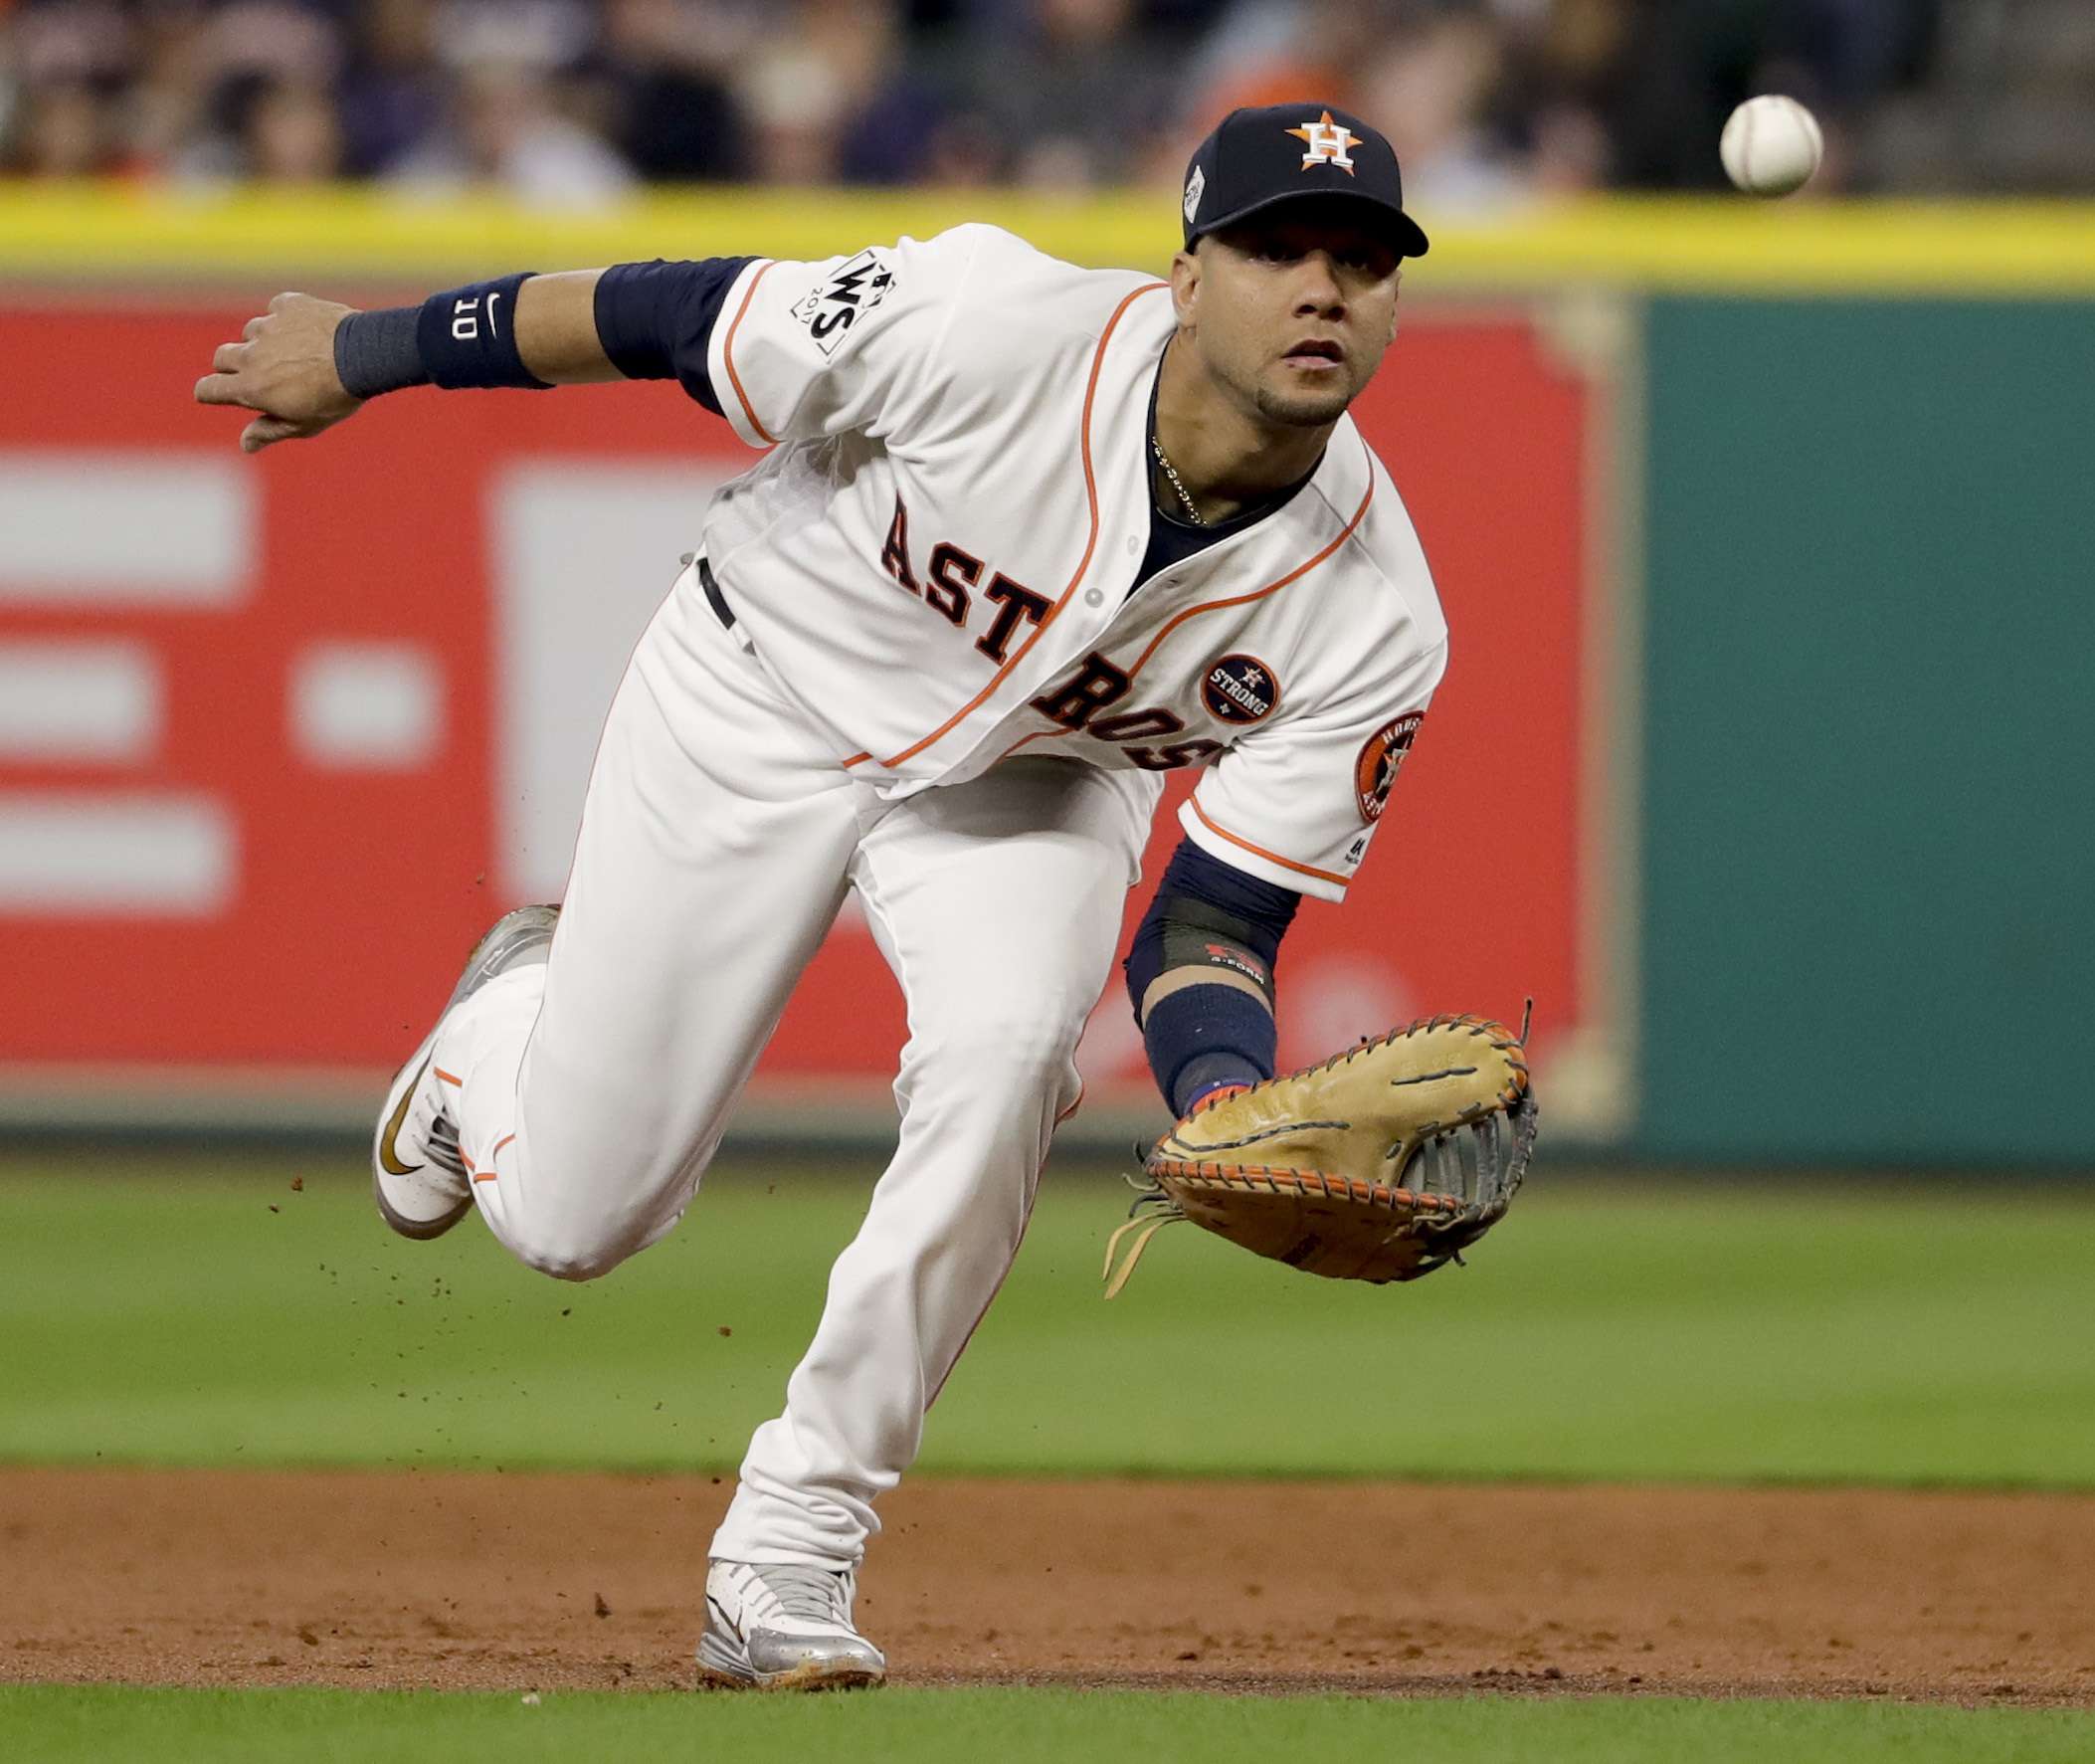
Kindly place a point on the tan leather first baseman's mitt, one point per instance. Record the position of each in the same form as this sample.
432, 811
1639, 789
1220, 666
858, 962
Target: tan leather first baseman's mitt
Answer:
1381, 1164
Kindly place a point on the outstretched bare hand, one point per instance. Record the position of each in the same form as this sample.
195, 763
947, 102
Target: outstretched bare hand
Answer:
283, 367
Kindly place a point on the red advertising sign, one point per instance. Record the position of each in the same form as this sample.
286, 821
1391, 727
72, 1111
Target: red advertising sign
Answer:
279, 736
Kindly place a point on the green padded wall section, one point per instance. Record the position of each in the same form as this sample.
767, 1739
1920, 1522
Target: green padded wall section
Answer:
1869, 850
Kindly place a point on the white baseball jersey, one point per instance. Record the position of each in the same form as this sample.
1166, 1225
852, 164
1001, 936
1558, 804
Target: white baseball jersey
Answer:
932, 572
934, 561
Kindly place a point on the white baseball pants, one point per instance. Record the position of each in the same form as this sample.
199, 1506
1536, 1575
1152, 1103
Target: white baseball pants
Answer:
719, 841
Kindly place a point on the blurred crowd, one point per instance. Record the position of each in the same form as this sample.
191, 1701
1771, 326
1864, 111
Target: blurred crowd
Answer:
1491, 102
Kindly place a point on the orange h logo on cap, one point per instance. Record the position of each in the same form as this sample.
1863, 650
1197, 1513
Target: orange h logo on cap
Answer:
1327, 142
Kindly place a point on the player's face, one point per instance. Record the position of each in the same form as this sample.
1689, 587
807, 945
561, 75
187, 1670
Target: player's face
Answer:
1291, 311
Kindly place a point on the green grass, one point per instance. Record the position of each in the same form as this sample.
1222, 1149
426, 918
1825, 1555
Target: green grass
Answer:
52, 1727
168, 1314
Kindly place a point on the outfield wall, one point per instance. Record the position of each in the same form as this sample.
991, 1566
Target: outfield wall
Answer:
1762, 531
1869, 852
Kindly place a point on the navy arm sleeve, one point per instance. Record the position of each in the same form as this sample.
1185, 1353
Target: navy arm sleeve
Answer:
655, 320
1208, 913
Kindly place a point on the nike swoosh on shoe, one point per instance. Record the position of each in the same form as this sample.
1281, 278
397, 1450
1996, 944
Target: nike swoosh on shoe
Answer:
386, 1154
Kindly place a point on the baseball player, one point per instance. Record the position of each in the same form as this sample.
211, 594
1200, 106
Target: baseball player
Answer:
1026, 537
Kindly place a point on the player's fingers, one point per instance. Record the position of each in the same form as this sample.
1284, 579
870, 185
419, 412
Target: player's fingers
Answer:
220, 388
279, 301
227, 357
267, 431
253, 329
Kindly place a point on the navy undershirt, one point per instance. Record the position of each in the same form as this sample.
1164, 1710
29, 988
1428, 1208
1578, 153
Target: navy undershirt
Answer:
1172, 540
655, 320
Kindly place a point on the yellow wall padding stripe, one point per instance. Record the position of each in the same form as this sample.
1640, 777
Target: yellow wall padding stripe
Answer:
127, 234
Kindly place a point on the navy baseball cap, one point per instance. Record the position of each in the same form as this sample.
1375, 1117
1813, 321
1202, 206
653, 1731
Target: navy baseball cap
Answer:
1283, 152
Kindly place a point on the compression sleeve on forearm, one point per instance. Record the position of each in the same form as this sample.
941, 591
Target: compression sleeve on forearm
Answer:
652, 319
1205, 1038
655, 320
1199, 974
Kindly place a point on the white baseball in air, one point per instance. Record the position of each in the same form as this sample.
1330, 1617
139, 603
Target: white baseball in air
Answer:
1771, 146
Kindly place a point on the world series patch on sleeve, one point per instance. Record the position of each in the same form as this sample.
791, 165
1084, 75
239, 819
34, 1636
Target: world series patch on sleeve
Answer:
1381, 1164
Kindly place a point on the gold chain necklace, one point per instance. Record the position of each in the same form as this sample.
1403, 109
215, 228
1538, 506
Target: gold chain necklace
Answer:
1191, 513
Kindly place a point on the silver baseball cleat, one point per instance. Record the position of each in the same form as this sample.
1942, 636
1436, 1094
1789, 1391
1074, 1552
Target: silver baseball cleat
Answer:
418, 1175
777, 1628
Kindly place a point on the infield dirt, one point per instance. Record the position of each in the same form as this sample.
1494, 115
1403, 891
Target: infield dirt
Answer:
492, 1581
